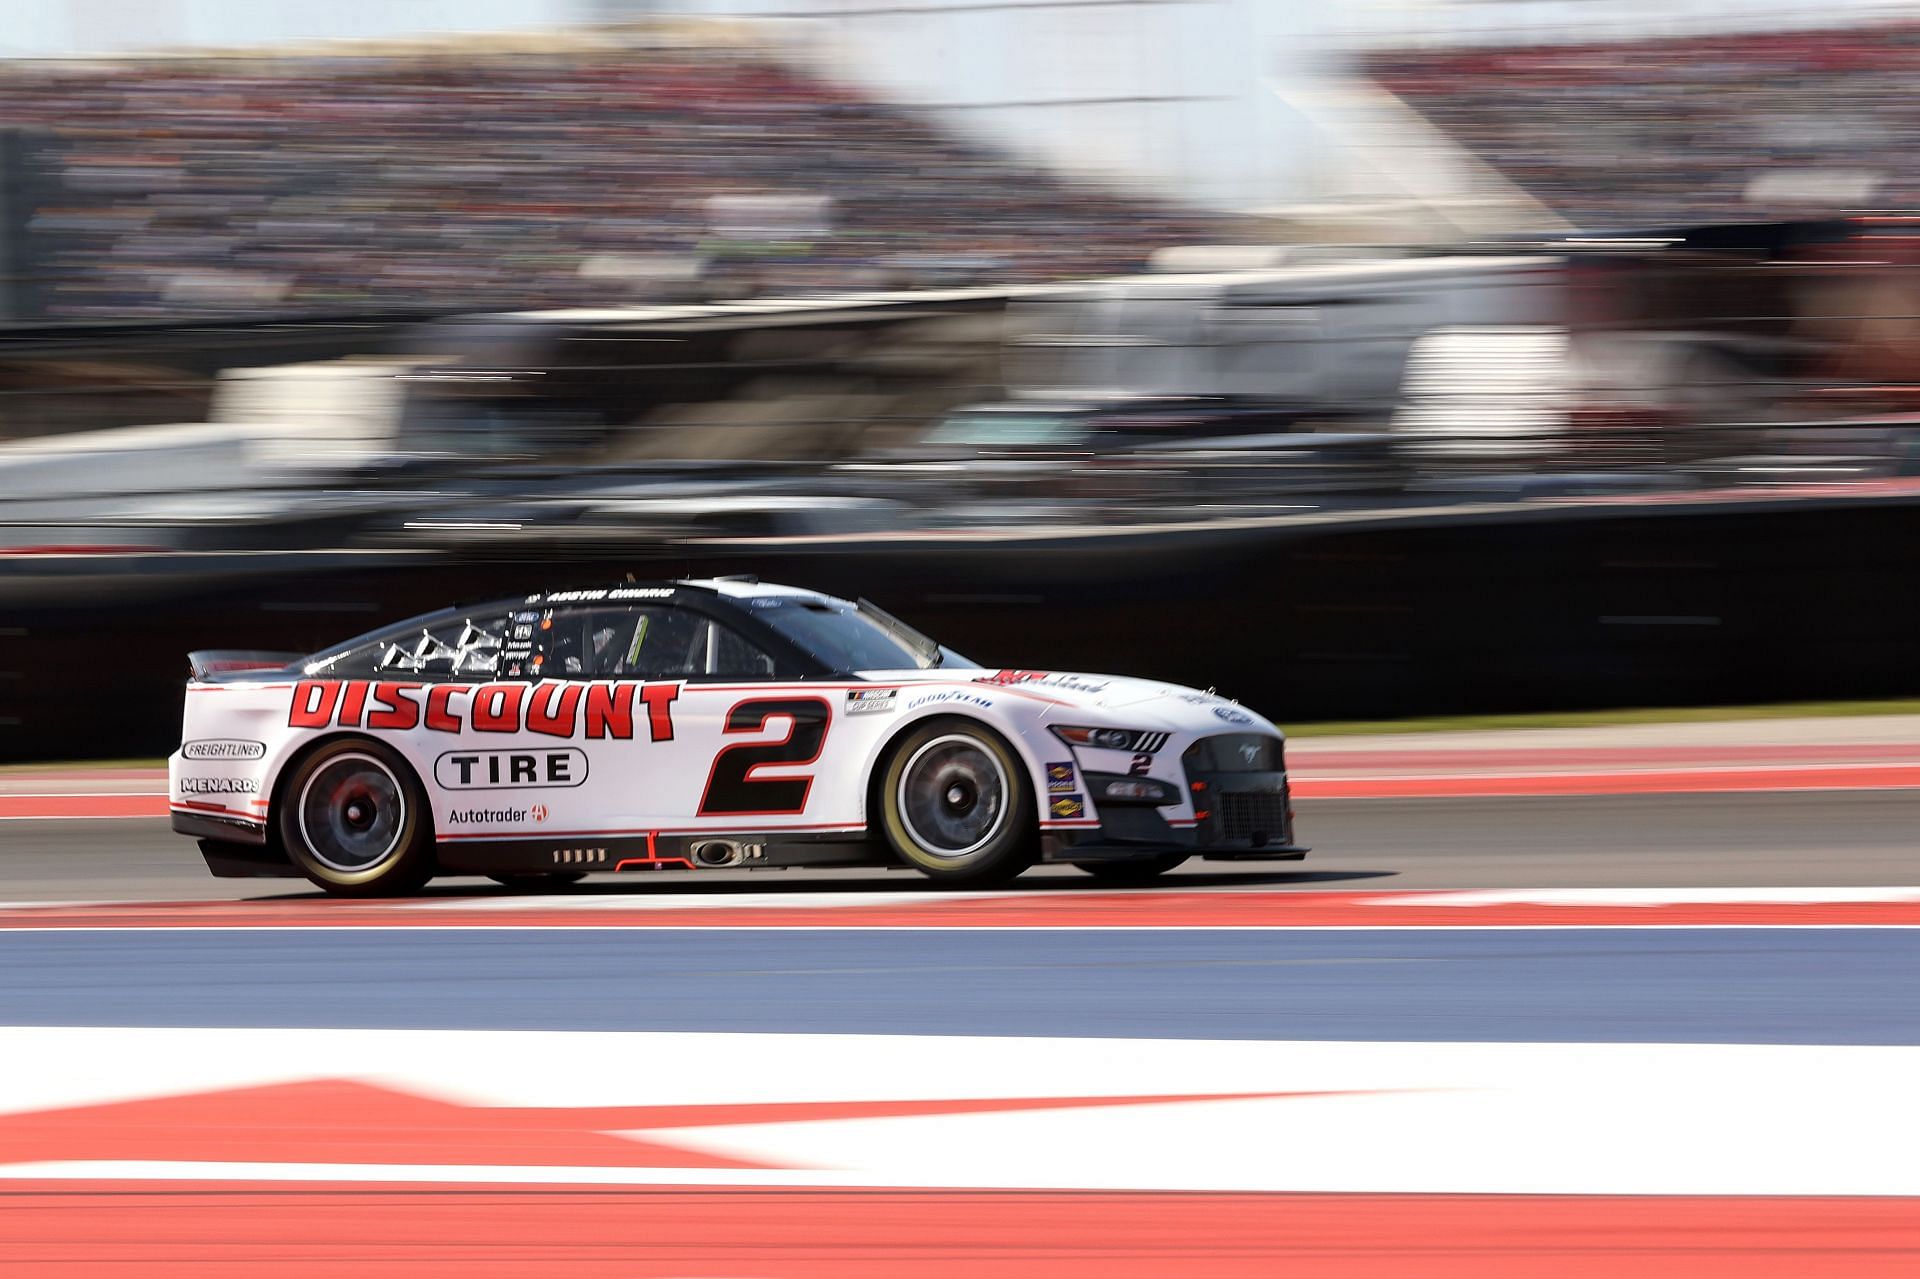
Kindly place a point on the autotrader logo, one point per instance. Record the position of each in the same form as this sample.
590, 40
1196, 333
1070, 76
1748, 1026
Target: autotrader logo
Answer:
485, 816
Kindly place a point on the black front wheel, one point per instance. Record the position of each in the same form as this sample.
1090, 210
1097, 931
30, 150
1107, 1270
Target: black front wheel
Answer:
955, 804
354, 820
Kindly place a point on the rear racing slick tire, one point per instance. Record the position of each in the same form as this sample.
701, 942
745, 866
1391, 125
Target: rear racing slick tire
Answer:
955, 803
1138, 871
353, 819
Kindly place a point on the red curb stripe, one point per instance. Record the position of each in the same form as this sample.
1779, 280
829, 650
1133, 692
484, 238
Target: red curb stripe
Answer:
61, 806
118, 1230
1151, 909
1309, 759
1665, 782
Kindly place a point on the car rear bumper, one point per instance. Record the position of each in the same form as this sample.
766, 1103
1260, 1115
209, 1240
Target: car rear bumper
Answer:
227, 830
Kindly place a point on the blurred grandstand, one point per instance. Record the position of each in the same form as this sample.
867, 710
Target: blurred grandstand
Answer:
661, 160
1557, 320
1699, 128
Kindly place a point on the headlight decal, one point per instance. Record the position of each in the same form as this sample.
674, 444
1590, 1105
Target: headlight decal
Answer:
1139, 741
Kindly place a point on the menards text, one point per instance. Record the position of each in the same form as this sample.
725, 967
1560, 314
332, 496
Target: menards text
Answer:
556, 708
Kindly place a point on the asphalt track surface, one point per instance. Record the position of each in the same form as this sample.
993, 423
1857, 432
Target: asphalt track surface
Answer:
1491, 1099
1731, 985
1818, 837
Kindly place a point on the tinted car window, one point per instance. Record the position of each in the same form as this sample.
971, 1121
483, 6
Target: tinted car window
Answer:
654, 643
731, 657
648, 642
463, 645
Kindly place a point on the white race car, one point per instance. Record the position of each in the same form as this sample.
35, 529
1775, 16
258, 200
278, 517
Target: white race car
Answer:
702, 724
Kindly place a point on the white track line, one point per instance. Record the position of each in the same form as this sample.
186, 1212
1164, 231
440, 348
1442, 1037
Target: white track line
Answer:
1388, 1117
1571, 770
629, 929
80, 817
1650, 896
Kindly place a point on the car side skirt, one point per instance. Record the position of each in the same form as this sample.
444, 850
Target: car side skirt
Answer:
624, 853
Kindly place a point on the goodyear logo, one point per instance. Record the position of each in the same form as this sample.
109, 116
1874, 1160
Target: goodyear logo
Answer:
1067, 806
1059, 777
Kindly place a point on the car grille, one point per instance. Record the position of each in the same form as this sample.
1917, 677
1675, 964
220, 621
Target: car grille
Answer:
1237, 753
1243, 814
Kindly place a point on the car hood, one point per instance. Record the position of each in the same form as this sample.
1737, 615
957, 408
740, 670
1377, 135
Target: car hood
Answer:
1115, 700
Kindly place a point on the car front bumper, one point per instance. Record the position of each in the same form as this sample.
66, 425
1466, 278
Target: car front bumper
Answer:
1236, 817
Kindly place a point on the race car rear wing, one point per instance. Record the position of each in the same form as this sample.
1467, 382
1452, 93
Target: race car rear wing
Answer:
225, 661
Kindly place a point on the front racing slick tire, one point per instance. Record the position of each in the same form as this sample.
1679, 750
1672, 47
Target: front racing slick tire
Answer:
354, 820
1138, 871
955, 804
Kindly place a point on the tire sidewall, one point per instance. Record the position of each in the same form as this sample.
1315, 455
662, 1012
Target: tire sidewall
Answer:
1010, 850
406, 869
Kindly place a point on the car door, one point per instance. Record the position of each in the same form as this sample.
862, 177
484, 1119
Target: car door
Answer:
764, 736
709, 739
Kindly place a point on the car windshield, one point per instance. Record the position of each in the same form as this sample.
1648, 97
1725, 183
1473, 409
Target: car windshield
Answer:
852, 638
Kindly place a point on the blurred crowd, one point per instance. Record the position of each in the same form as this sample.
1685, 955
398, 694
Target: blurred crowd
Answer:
1666, 132
451, 179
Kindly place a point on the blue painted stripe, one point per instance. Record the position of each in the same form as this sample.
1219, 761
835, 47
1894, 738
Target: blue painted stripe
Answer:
1842, 986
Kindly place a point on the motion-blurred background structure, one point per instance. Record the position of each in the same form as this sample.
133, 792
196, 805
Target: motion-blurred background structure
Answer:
1365, 360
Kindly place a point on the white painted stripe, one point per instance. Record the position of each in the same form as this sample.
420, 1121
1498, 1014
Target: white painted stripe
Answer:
1576, 770
83, 794
1804, 896
1183, 1178
79, 817
627, 929
469, 1174
54, 905
700, 901
1401, 1117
